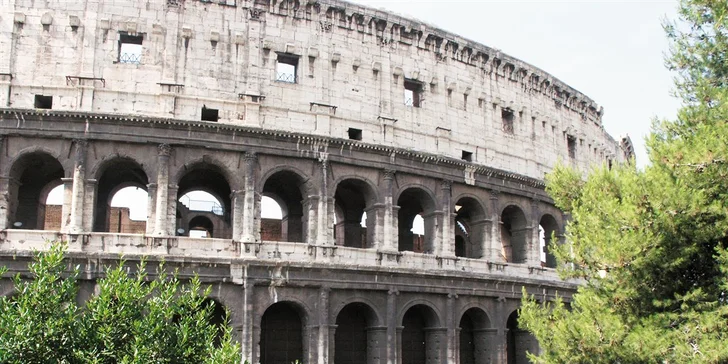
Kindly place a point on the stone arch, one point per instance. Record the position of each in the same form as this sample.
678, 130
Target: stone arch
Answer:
548, 226
518, 341
289, 189
414, 200
514, 234
202, 222
282, 335
378, 317
66, 163
470, 226
218, 317
354, 324
232, 179
420, 334
476, 337
353, 197
112, 175
31, 175
206, 175
100, 165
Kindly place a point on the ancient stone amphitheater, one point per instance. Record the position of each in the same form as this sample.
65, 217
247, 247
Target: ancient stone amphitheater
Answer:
357, 122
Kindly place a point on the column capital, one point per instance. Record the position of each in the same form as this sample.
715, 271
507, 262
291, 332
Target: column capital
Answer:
389, 174
164, 150
446, 185
494, 194
82, 143
250, 157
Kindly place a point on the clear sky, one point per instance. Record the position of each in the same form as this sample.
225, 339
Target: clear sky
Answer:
612, 51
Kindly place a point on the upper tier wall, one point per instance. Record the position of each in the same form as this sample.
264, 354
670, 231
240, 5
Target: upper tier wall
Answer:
351, 65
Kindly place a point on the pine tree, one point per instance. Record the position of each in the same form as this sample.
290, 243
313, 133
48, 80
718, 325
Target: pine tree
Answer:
650, 245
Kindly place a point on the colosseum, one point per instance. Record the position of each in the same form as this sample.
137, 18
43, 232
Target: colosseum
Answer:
355, 121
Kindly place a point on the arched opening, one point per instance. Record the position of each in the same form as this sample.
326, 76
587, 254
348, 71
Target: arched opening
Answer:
353, 228
519, 342
474, 337
285, 188
53, 215
420, 336
514, 235
281, 335
204, 192
128, 212
115, 176
414, 202
546, 228
470, 221
201, 227
32, 178
217, 318
350, 340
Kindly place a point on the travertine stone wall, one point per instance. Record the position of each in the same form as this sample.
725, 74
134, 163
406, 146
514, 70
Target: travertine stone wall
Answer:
352, 65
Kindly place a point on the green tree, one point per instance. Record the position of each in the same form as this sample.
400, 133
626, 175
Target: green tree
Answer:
133, 319
650, 245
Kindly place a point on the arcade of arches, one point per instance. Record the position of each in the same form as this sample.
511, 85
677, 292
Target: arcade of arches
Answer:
357, 214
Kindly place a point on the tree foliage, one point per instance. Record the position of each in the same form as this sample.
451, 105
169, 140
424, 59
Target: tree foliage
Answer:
650, 245
132, 319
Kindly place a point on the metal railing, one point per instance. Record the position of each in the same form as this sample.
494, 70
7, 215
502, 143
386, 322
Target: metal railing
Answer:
286, 77
203, 205
130, 58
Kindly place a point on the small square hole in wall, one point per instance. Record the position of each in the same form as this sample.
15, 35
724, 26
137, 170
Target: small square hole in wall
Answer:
130, 48
43, 102
209, 114
467, 156
287, 68
354, 134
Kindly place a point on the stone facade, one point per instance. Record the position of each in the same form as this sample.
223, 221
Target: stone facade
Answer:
341, 114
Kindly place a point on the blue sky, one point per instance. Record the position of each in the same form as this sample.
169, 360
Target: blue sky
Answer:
612, 51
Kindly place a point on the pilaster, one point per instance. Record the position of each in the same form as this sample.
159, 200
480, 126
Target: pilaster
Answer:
75, 225
161, 220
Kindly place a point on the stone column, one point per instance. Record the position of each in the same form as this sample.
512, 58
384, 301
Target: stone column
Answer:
436, 345
451, 342
66, 207
494, 243
390, 234
246, 336
75, 225
151, 207
237, 199
324, 329
480, 235
89, 210
171, 208
161, 220
394, 336
325, 213
446, 246
249, 198
533, 242
6, 206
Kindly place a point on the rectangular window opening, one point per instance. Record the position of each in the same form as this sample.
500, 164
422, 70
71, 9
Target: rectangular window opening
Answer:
571, 145
130, 48
412, 93
43, 102
354, 134
287, 68
467, 156
209, 114
507, 116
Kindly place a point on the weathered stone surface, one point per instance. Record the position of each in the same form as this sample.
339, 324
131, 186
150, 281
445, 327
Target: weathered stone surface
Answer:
384, 116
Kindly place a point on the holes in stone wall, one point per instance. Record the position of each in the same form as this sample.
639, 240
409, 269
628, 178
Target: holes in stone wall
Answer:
467, 156
507, 117
354, 134
571, 146
130, 48
209, 114
43, 102
287, 68
413, 93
